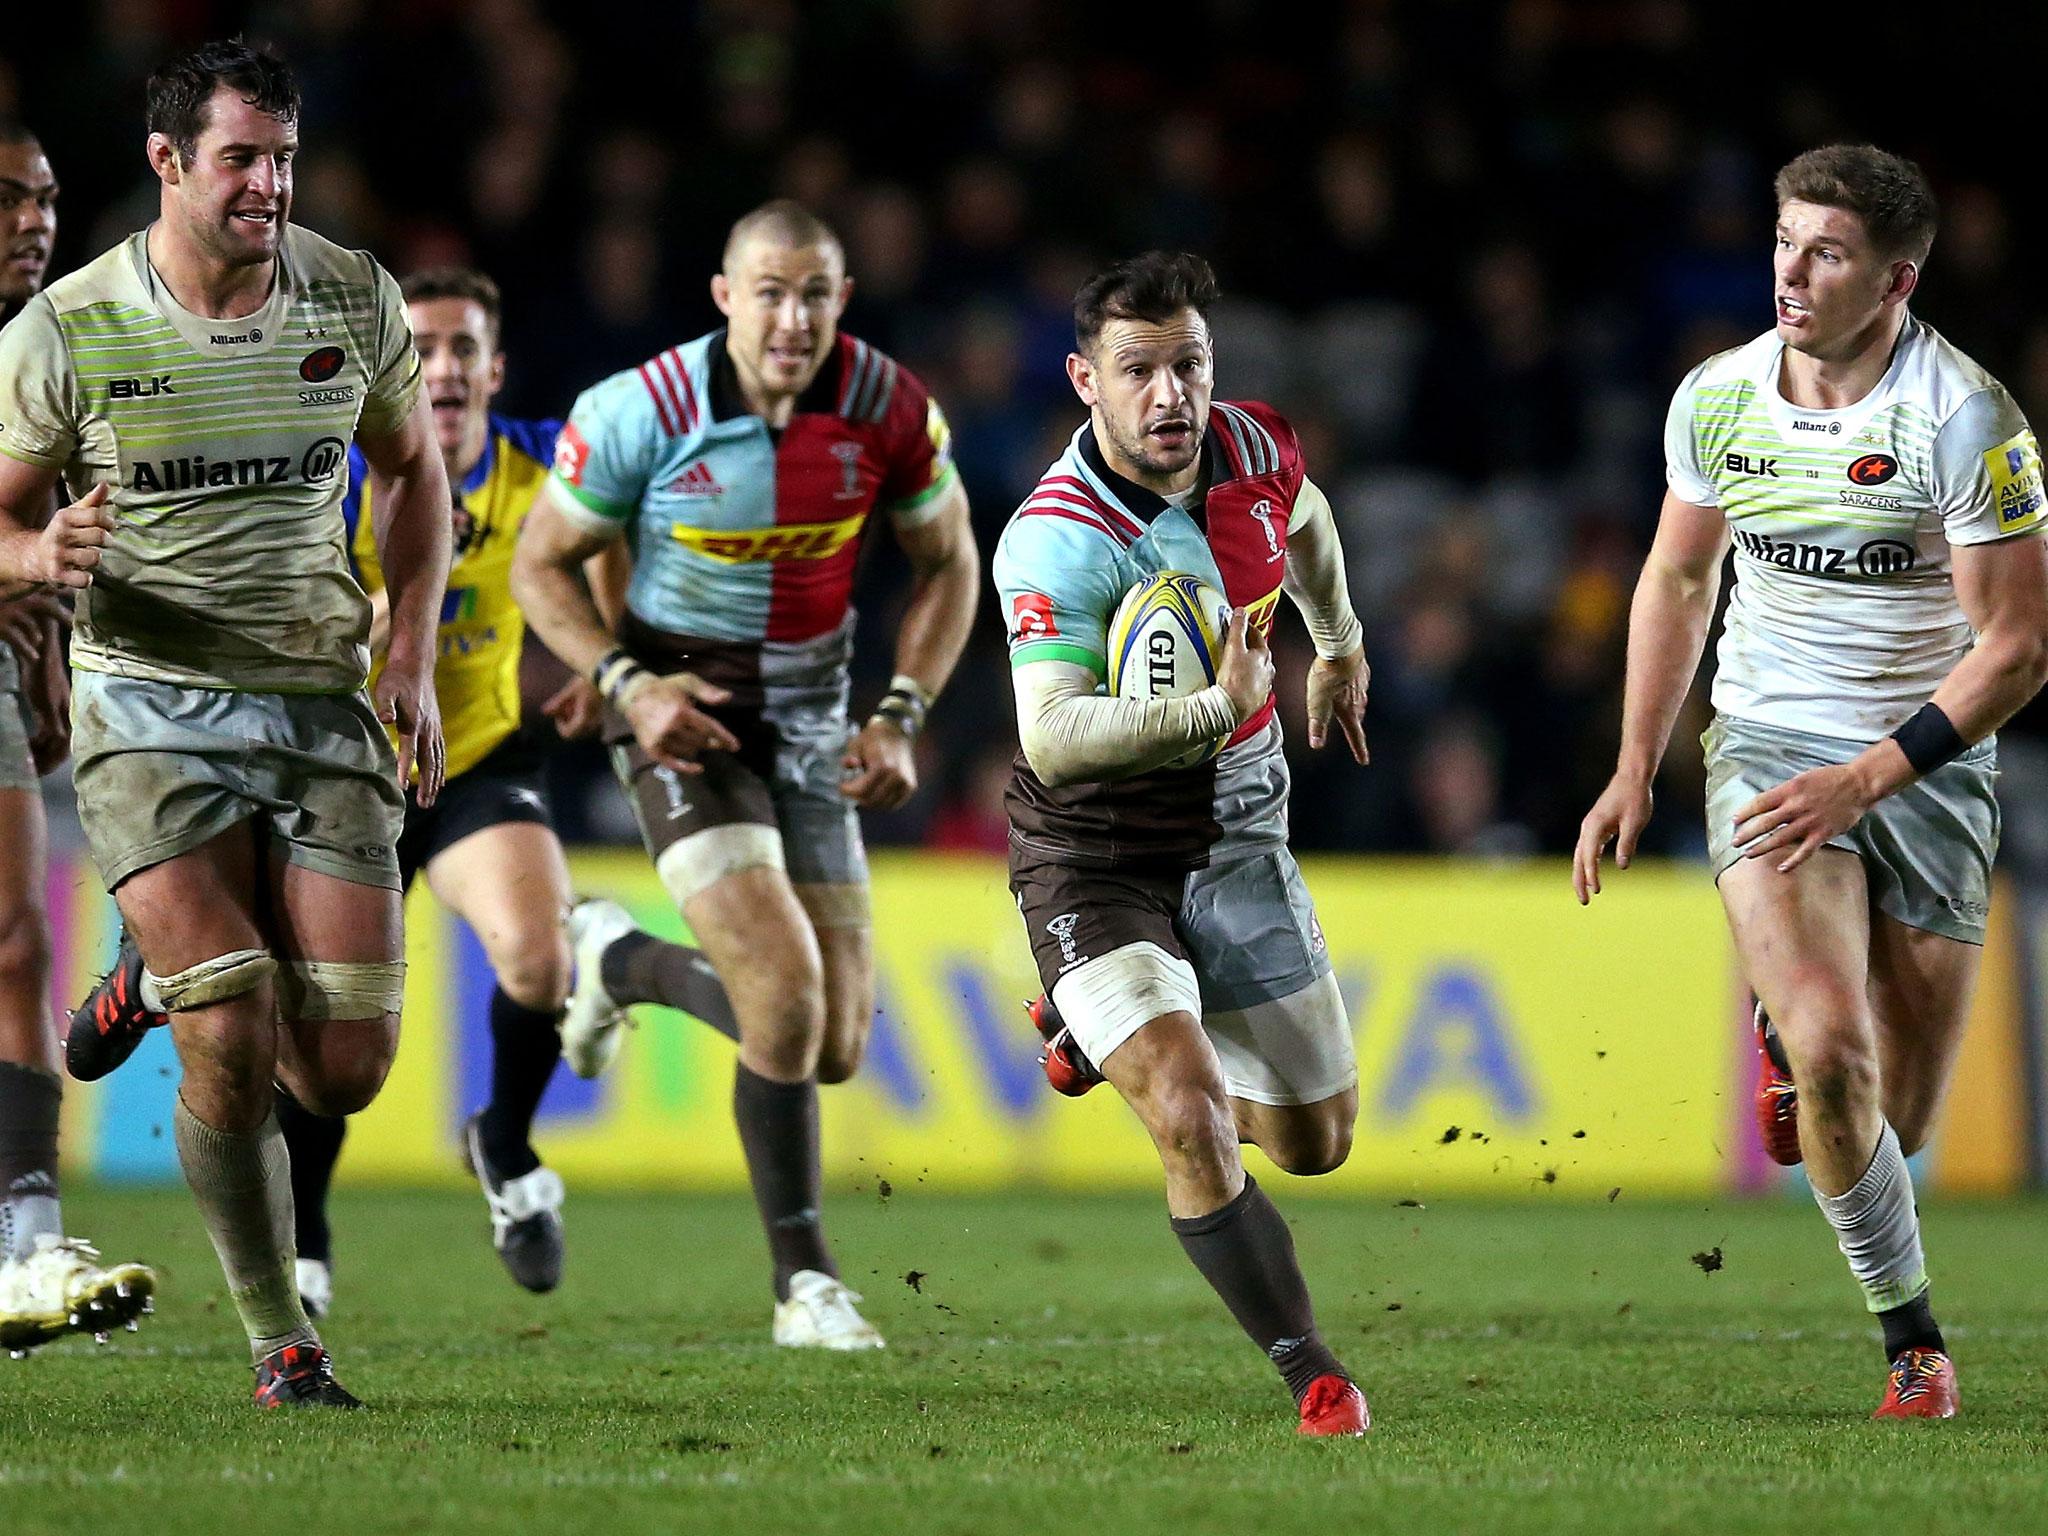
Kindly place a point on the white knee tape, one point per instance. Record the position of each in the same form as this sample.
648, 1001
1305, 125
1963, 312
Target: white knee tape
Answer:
234, 974
692, 865
836, 905
340, 989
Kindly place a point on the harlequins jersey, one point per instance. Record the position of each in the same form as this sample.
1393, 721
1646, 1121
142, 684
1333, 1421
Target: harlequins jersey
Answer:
1082, 540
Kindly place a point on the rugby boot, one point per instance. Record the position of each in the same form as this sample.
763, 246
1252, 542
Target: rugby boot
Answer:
526, 1214
1069, 1072
1777, 1099
1333, 1405
1922, 1385
592, 1024
106, 1028
63, 1288
820, 1315
300, 1376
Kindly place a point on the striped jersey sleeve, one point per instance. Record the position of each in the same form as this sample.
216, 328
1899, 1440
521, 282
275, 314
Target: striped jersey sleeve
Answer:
37, 385
1058, 575
606, 453
395, 380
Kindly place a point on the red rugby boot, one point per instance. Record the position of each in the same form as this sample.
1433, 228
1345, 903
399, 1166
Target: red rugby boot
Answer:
1334, 1406
300, 1376
1777, 1098
1922, 1386
1069, 1072
106, 1028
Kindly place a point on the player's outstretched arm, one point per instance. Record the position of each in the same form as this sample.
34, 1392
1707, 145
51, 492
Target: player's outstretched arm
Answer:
2002, 588
1338, 679
414, 521
550, 586
1073, 735
946, 583
1667, 630
65, 551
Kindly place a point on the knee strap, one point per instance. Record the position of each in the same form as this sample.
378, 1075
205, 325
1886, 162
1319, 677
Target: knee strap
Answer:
234, 974
340, 989
692, 865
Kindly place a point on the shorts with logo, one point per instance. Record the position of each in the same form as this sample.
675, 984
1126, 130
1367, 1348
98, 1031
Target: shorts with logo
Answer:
785, 775
1237, 944
161, 768
1926, 850
17, 762
508, 784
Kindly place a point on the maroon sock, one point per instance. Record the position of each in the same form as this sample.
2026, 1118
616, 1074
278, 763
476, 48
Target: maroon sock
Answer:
639, 968
778, 1124
1246, 1253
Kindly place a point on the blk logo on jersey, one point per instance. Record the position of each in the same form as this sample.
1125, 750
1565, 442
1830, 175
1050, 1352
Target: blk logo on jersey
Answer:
1873, 469
1031, 617
139, 389
322, 365
1746, 464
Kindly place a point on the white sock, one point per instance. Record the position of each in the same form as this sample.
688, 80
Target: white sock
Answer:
151, 998
1879, 1228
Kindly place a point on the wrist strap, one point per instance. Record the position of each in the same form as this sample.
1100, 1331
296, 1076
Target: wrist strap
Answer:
1929, 739
903, 706
614, 672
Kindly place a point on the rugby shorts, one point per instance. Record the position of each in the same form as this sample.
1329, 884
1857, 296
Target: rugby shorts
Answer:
1235, 944
1926, 850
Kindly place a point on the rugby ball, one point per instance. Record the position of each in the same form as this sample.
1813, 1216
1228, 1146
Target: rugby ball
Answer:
1164, 643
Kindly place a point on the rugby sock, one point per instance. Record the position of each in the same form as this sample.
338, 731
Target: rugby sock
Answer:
639, 968
243, 1187
29, 1099
778, 1124
1246, 1253
525, 1046
1879, 1232
314, 1142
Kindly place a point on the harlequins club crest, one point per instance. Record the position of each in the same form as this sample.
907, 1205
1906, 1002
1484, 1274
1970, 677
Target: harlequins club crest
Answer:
322, 365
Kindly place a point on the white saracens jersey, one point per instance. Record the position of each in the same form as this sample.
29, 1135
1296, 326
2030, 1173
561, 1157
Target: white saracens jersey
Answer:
1843, 619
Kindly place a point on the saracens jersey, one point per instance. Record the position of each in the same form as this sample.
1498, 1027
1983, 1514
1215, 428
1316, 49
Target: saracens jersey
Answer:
745, 538
1844, 619
224, 442
1083, 539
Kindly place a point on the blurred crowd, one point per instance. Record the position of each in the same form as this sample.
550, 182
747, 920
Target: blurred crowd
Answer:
1468, 247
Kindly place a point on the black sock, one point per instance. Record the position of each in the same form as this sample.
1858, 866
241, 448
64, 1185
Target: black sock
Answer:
778, 1125
525, 1046
1246, 1253
313, 1142
1910, 1327
640, 968
29, 1102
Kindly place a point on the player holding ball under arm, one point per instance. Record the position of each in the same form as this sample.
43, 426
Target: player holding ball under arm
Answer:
1176, 940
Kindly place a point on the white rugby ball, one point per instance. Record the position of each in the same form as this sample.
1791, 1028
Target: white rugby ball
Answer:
1164, 643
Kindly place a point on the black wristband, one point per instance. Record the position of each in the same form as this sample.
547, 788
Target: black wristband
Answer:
614, 669
1929, 739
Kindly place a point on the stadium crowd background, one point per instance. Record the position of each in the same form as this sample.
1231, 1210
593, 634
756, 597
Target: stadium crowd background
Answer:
1469, 247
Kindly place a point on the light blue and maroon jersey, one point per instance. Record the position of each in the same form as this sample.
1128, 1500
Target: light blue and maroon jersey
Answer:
1081, 540
744, 537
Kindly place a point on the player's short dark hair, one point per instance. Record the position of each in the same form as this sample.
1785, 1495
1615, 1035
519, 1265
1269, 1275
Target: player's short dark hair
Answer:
457, 283
14, 131
786, 222
1154, 286
180, 93
1888, 192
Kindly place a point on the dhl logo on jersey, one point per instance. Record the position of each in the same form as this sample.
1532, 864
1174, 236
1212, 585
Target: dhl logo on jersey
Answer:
795, 541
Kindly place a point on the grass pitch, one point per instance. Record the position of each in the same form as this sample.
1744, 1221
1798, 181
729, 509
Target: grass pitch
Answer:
1054, 1365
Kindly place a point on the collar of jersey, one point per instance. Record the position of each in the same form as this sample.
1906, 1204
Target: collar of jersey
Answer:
1852, 417
821, 397
1139, 502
